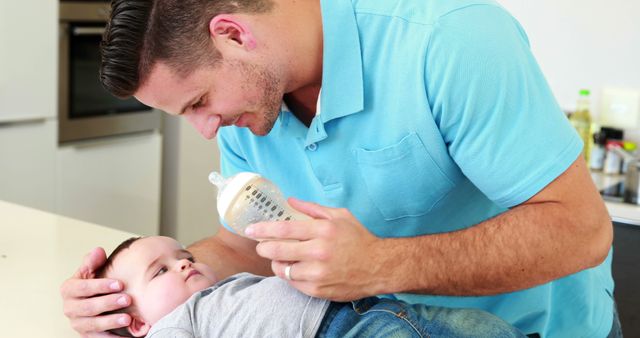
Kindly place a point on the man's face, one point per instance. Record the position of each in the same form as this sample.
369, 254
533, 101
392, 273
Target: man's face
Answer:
159, 275
231, 93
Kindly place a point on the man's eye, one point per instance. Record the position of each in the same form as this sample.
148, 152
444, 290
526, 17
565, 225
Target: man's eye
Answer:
160, 272
198, 104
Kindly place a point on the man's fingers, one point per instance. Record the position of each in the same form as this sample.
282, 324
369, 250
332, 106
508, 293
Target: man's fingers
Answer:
281, 230
297, 270
83, 288
300, 271
95, 326
309, 208
92, 261
89, 307
280, 250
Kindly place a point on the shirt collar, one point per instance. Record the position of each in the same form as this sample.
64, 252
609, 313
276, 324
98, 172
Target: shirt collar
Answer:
342, 81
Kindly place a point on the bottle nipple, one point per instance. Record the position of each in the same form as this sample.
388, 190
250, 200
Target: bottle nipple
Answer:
229, 188
216, 179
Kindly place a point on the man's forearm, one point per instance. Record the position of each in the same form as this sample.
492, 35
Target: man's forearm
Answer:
227, 254
564, 229
513, 251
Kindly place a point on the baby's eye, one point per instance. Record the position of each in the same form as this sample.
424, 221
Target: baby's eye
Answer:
160, 272
192, 259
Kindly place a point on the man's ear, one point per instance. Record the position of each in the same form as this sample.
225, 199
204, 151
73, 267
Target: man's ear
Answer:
138, 327
227, 31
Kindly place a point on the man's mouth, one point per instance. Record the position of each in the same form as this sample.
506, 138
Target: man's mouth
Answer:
237, 121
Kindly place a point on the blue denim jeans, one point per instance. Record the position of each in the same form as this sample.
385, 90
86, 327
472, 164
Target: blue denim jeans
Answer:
378, 317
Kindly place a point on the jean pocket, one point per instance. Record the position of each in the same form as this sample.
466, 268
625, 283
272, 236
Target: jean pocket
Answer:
387, 318
402, 179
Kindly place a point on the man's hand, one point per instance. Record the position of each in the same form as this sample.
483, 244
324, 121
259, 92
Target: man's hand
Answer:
84, 298
333, 255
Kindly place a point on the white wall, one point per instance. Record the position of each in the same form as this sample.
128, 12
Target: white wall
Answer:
112, 181
586, 43
188, 199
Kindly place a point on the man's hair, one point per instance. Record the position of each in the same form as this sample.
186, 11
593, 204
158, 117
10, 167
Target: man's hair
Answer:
142, 32
102, 273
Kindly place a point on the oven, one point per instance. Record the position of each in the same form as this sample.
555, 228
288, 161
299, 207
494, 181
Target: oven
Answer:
85, 109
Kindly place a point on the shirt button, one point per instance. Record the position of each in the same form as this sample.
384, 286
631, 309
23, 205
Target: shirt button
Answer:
312, 147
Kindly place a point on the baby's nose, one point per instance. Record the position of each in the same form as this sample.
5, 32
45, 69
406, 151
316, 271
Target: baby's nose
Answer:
184, 263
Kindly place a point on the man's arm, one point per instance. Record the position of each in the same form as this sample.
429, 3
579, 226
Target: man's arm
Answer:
227, 254
563, 229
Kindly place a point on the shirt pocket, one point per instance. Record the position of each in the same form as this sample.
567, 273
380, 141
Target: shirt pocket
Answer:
402, 179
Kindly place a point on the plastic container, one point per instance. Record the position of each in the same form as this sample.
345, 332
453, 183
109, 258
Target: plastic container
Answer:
581, 121
248, 198
596, 161
613, 160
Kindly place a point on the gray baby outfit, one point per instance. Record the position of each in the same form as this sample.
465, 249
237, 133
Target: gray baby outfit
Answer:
244, 305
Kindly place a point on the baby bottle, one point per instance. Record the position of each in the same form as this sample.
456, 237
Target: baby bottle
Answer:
248, 198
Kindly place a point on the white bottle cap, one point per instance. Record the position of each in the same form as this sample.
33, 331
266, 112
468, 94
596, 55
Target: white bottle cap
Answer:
232, 187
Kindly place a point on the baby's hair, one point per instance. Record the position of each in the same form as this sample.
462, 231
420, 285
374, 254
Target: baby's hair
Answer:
102, 273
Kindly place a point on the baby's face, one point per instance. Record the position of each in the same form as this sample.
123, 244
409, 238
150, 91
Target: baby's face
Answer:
159, 275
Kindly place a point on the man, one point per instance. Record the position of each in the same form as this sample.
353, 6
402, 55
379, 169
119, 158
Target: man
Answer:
440, 163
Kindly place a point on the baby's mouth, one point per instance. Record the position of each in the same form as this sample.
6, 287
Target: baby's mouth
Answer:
192, 273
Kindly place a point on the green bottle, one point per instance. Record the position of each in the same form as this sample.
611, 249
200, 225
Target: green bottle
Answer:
581, 120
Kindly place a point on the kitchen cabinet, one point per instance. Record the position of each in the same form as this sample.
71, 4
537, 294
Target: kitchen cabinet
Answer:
27, 162
28, 59
28, 64
626, 255
113, 181
626, 274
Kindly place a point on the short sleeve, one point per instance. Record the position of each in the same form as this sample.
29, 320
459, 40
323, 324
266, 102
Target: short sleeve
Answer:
494, 108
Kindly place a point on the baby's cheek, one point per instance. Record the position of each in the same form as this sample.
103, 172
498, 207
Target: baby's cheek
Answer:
162, 300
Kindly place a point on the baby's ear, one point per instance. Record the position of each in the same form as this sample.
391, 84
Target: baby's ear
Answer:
139, 327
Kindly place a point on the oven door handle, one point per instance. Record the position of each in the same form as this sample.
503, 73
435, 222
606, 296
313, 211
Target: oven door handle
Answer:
8, 122
80, 31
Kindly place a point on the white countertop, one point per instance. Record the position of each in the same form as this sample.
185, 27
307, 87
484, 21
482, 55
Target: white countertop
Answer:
38, 251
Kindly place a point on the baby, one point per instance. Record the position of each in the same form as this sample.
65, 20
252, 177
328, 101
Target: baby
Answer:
175, 296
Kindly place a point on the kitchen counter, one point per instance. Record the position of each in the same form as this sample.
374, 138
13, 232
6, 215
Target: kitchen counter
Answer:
38, 251
619, 212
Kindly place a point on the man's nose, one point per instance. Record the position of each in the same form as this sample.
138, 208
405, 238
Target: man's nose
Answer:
205, 123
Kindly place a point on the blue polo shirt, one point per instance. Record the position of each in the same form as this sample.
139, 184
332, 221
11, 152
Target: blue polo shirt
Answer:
434, 117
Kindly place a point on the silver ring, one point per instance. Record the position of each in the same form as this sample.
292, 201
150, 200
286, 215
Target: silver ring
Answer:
287, 272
